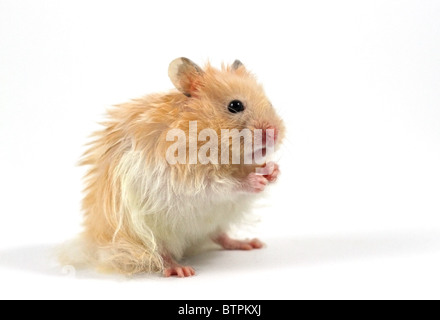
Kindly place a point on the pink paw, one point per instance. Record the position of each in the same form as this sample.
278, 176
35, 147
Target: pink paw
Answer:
254, 183
275, 172
231, 244
243, 244
180, 271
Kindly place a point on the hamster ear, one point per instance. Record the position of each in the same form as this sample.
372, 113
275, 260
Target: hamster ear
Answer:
237, 64
183, 74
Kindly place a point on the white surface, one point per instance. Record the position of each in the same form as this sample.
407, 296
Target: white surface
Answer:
356, 213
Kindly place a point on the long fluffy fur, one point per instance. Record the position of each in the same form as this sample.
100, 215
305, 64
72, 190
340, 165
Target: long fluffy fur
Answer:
137, 206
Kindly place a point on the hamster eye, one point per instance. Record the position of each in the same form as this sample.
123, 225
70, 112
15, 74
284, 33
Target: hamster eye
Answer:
236, 106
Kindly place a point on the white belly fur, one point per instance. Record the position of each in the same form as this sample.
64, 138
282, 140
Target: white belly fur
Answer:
175, 221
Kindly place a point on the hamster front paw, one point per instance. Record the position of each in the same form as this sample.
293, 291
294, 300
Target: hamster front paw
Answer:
254, 183
275, 172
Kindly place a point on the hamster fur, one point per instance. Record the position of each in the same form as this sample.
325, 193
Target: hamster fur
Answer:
141, 213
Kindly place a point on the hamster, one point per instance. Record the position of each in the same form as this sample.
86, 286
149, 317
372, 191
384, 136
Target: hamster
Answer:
145, 205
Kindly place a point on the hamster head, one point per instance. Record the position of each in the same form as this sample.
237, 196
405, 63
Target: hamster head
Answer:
225, 99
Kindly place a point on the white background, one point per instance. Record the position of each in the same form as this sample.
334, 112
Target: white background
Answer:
356, 211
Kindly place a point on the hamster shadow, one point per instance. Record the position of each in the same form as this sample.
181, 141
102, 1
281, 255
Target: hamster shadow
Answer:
280, 253
300, 251
42, 259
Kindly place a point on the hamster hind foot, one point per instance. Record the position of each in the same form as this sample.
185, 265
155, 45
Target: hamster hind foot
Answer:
179, 271
172, 268
231, 244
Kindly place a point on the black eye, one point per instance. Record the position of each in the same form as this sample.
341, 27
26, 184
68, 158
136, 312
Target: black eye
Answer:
235, 106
